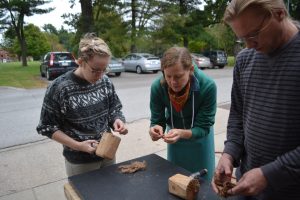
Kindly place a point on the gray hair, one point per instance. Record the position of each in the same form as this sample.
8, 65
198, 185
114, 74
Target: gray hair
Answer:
91, 45
236, 7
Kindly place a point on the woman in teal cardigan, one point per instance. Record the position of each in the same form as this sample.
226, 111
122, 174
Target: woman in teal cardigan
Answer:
183, 106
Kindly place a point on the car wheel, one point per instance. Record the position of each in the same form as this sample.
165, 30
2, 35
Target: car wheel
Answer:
221, 66
139, 70
155, 71
118, 73
48, 75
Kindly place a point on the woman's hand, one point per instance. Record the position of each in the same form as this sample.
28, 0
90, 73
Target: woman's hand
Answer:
88, 146
156, 132
173, 136
120, 127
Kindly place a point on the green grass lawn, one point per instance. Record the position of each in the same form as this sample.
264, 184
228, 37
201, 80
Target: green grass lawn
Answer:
230, 61
14, 75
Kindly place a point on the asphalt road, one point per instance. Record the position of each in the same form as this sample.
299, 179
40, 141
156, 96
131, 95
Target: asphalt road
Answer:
20, 108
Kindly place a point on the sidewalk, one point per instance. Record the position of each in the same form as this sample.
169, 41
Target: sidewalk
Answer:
36, 171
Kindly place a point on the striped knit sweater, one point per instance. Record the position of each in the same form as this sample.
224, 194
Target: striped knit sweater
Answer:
81, 110
264, 122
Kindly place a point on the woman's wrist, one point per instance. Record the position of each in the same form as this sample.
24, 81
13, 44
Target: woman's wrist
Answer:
185, 134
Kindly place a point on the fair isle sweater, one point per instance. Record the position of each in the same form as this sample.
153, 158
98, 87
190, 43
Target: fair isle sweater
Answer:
264, 122
81, 110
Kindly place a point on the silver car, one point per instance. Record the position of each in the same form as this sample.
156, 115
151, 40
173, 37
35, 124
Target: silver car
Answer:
141, 62
202, 61
115, 66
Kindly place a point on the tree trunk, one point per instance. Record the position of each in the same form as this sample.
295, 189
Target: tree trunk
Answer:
24, 52
22, 41
182, 7
183, 11
133, 26
185, 41
86, 23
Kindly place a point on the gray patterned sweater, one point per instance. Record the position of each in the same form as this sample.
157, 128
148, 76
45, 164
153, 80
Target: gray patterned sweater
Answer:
81, 110
264, 123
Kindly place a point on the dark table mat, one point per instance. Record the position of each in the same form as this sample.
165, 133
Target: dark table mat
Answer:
152, 184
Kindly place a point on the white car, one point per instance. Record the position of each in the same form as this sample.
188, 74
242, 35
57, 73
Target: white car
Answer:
141, 62
115, 66
201, 61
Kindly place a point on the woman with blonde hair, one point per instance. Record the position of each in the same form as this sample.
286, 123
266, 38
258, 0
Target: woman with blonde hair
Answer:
80, 106
183, 107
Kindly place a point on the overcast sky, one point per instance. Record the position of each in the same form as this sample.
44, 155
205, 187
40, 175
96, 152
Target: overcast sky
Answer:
54, 17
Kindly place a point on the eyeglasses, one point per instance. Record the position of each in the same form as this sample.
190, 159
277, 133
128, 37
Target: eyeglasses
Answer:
97, 71
254, 36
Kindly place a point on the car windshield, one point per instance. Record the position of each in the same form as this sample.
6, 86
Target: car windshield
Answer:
63, 57
198, 55
147, 55
113, 59
220, 53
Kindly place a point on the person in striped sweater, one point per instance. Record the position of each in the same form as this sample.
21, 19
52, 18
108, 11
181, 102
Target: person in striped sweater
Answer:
263, 133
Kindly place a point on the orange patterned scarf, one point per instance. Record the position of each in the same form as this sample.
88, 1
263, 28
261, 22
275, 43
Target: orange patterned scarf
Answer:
179, 101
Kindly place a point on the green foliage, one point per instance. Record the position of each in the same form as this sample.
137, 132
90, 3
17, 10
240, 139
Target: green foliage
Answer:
37, 43
49, 28
67, 39
54, 44
12, 15
110, 27
294, 8
197, 46
231, 61
214, 11
223, 36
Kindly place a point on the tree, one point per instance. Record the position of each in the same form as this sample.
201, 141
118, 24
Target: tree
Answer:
214, 11
37, 42
15, 11
84, 22
294, 8
142, 14
110, 26
49, 28
53, 41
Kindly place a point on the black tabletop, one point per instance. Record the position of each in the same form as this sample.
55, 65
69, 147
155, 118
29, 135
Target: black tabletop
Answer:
151, 184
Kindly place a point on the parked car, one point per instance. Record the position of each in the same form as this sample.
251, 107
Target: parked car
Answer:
57, 63
202, 61
217, 58
115, 66
141, 62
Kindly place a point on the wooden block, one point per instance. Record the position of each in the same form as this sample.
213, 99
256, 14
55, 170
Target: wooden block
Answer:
184, 186
108, 146
70, 193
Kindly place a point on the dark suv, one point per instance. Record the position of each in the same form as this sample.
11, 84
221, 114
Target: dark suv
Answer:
217, 57
57, 63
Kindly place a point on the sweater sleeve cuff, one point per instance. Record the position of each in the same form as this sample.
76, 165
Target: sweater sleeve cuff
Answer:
275, 173
234, 151
198, 133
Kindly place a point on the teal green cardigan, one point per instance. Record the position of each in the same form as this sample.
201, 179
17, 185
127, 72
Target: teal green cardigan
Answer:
197, 152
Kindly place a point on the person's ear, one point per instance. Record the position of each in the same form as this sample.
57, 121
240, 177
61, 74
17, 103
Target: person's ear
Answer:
280, 14
192, 70
79, 61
